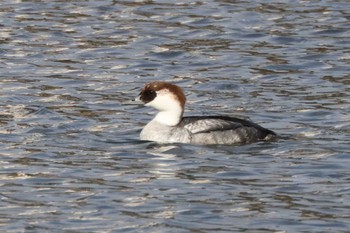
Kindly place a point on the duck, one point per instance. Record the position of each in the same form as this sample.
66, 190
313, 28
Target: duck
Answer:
170, 126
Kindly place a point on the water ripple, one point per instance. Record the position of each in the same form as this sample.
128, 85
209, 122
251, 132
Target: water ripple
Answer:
71, 158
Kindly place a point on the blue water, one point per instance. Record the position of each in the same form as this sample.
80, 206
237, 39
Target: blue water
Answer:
71, 158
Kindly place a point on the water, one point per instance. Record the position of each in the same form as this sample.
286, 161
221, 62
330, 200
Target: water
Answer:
71, 160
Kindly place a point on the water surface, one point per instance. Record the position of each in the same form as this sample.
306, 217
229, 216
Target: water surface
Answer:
71, 159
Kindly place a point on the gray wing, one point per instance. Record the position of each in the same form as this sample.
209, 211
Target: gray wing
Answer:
208, 124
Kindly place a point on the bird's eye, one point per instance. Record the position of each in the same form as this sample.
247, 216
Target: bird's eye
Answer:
148, 95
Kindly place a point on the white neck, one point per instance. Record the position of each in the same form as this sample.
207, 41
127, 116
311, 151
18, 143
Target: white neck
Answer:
170, 117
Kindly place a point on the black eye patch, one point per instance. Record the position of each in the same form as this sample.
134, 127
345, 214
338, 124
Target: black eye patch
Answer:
147, 96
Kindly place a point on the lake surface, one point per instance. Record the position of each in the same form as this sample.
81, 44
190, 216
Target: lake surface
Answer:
71, 158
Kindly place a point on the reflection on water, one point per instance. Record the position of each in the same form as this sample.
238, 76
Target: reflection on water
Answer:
71, 158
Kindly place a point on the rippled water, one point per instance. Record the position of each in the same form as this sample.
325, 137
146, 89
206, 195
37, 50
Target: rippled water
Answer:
71, 159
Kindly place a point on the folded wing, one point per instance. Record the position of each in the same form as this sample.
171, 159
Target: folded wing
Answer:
207, 124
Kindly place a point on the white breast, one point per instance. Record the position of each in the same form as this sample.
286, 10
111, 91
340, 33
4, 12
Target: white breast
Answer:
155, 131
